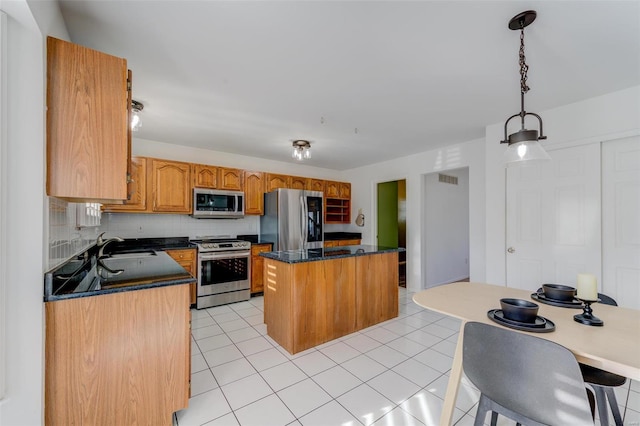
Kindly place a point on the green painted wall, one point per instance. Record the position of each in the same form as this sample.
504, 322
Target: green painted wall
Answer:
388, 214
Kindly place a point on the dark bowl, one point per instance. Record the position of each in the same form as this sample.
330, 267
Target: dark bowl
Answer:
519, 310
559, 292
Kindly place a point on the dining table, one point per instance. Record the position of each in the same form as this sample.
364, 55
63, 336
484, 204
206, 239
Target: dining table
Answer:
614, 346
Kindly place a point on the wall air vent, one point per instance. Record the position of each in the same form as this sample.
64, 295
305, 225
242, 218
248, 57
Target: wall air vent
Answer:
447, 179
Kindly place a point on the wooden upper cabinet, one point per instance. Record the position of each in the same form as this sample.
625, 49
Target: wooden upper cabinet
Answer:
87, 124
137, 194
253, 193
315, 185
274, 181
230, 179
169, 186
205, 176
297, 182
331, 189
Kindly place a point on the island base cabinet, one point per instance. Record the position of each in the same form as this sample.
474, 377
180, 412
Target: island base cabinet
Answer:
310, 303
118, 359
376, 297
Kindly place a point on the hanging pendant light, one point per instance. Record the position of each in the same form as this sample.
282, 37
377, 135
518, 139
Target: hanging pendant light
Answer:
523, 144
136, 122
301, 150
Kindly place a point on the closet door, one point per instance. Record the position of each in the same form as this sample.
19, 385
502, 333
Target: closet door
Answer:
553, 219
621, 221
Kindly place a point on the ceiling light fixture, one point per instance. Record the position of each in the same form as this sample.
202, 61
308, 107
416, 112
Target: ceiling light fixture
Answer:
523, 144
301, 150
136, 122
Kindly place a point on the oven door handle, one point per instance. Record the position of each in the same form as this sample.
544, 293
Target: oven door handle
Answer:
225, 255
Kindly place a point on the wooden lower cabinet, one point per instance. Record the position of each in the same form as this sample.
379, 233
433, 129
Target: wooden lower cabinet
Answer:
310, 303
188, 259
257, 266
118, 359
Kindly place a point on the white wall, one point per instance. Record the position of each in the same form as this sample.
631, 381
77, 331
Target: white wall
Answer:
364, 182
597, 119
446, 228
23, 187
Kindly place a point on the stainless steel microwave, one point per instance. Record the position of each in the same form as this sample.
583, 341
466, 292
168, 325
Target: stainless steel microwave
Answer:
215, 203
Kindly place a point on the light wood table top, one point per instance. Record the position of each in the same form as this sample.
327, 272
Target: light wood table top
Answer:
614, 347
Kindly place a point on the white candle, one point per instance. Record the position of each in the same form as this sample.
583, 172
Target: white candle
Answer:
587, 287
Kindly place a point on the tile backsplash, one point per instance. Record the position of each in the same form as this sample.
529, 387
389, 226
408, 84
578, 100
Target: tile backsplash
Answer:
65, 238
127, 225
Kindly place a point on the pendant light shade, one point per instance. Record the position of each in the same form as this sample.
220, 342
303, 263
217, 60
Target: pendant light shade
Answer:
136, 121
523, 144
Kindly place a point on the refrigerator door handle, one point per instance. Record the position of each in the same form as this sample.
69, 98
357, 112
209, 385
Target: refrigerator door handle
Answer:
303, 222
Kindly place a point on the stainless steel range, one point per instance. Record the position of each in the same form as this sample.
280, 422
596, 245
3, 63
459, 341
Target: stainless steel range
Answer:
224, 271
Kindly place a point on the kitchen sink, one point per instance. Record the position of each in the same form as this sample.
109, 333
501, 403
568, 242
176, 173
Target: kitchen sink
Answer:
130, 255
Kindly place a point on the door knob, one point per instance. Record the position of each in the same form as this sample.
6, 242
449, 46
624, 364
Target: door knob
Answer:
511, 250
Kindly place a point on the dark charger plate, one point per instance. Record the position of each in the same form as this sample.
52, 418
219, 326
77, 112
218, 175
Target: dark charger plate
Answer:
541, 297
541, 325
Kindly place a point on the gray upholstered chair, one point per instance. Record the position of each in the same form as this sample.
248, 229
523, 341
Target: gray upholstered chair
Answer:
530, 380
603, 382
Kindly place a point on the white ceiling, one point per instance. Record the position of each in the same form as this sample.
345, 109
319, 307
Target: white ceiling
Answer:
364, 81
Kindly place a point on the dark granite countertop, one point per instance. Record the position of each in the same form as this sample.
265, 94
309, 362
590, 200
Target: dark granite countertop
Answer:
311, 255
132, 245
125, 267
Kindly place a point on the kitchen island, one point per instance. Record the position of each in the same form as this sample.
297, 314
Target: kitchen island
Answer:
316, 295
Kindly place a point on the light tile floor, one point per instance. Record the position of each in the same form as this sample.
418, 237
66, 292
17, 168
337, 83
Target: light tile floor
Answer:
394, 373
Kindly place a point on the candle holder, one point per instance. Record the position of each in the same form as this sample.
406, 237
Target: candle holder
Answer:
587, 317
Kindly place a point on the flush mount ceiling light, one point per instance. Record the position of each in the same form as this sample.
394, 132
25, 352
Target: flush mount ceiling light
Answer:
301, 150
136, 122
523, 144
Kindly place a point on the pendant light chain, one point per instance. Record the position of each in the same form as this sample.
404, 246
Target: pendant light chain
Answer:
523, 65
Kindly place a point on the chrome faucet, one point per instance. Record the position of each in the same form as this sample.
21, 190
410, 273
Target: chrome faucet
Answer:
103, 243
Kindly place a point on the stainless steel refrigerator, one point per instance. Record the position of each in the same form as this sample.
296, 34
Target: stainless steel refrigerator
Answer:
293, 219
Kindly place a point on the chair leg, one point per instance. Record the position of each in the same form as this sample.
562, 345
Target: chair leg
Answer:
494, 418
483, 407
601, 401
611, 396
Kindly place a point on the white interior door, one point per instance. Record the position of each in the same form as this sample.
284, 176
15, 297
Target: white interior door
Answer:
553, 219
621, 221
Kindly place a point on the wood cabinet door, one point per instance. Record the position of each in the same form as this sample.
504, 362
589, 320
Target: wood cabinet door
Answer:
257, 266
205, 176
349, 242
87, 124
170, 186
253, 193
187, 258
331, 189
229, 179
275, 181
150, 329
345, 190
315, 184
137, 194
331, 243
297, 182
